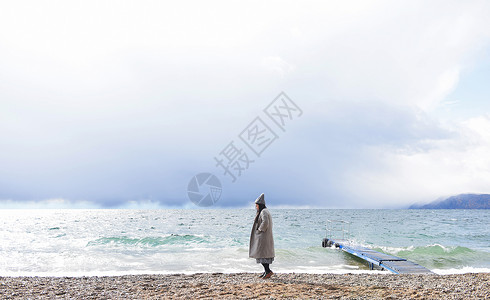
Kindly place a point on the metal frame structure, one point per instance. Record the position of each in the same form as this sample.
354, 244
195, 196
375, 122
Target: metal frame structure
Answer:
338, 235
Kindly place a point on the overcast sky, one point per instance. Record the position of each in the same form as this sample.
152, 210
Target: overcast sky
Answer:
119, 104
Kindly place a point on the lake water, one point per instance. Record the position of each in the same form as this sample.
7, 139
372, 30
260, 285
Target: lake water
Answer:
116, 242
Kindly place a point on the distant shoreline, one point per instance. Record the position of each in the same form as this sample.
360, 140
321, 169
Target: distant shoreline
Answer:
462, 201
248, 285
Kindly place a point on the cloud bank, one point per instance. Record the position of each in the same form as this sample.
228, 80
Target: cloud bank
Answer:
110, 104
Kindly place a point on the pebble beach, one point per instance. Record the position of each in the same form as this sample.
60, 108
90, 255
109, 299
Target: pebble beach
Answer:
249, 286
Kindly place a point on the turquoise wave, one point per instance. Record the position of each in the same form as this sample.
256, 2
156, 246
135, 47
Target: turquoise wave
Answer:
438, 250
439, 256
174, 239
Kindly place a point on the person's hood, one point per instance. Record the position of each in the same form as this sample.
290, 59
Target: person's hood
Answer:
260, 200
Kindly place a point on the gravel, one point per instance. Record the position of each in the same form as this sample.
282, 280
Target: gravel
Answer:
249, 286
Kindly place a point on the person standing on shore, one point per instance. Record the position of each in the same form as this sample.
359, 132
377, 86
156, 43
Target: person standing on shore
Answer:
261, 239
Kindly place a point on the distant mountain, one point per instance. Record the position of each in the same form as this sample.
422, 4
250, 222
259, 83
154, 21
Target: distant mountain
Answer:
463, 201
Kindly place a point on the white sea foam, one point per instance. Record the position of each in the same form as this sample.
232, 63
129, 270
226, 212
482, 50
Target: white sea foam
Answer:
339, 269
463, 270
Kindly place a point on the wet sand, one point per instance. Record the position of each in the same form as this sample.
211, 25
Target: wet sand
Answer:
248, 285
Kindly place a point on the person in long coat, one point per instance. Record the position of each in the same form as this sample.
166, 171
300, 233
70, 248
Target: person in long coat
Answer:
261, 238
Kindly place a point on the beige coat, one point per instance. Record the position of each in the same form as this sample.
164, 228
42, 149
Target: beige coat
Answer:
261, 239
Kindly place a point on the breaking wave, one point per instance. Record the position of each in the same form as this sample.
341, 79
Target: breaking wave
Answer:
436, 256
172, 239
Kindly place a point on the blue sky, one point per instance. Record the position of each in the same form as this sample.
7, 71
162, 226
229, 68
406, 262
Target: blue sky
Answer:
119, 104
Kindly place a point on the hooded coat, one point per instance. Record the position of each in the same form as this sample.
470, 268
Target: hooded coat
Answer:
261, 239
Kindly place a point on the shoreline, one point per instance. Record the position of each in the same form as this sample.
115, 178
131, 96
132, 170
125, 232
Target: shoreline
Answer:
248, 285
454, 271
